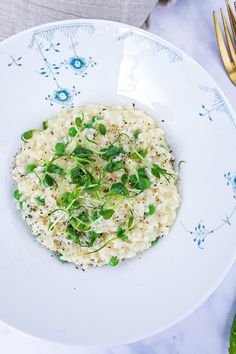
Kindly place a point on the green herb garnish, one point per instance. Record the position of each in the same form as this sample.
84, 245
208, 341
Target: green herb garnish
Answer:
59, 256
17, 194
95, 215
157, 171
134, 156
232, 344
72, 131
130, 222
48, 181
113, 261
60, 149
124, 178
78, 176
84, 217
92, 237
111, 151
107, 213
40, 201
102, 129
136, 134
52, 168
119, 188
90, 125
83, 153
154, 242
121, 233
114, 166
151, 209
45, 125
140, 181
30, 168
27, 135
81, 226
79, 121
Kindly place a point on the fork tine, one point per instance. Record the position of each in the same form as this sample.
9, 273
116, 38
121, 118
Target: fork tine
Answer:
223, 51
228, 37
232, 19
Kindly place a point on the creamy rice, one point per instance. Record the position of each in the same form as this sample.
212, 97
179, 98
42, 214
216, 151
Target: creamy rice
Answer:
36, 201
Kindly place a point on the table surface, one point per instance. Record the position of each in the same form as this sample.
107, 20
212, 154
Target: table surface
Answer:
189, 26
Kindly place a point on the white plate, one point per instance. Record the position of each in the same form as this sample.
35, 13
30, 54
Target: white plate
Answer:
75, 62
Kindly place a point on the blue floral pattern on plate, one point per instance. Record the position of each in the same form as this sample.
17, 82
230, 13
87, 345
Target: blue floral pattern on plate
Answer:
200, 232
44, 42
218, 105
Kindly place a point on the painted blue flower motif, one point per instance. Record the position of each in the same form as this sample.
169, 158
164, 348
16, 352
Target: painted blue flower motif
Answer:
62, 96
78, 63
46, 41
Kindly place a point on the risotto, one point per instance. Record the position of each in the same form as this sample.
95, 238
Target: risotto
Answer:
97, 184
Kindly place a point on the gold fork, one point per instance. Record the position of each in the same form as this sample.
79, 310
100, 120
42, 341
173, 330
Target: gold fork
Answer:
228, 56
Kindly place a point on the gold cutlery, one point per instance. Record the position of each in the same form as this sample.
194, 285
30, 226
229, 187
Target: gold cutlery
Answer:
227, 51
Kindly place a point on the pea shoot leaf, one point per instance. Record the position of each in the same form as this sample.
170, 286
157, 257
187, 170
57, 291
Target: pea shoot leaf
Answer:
119, 188
107, 213
121, 233
60, 149
52, 168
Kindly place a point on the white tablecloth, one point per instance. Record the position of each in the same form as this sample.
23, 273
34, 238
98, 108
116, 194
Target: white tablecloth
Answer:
189, 26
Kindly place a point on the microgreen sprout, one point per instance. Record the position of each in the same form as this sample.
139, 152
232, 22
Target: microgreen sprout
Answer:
48, 181
72, 131
113, 261
131, 221
151, 209
30, 168
107, 213
154, 242
114, 166
136, 134
52, 168
119, 188
90, 123
45, 124
60, 258
111, 151
157, 171
40, 201
17, 194
60, 149
232, 343
102, 129
27, 135
121, 233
